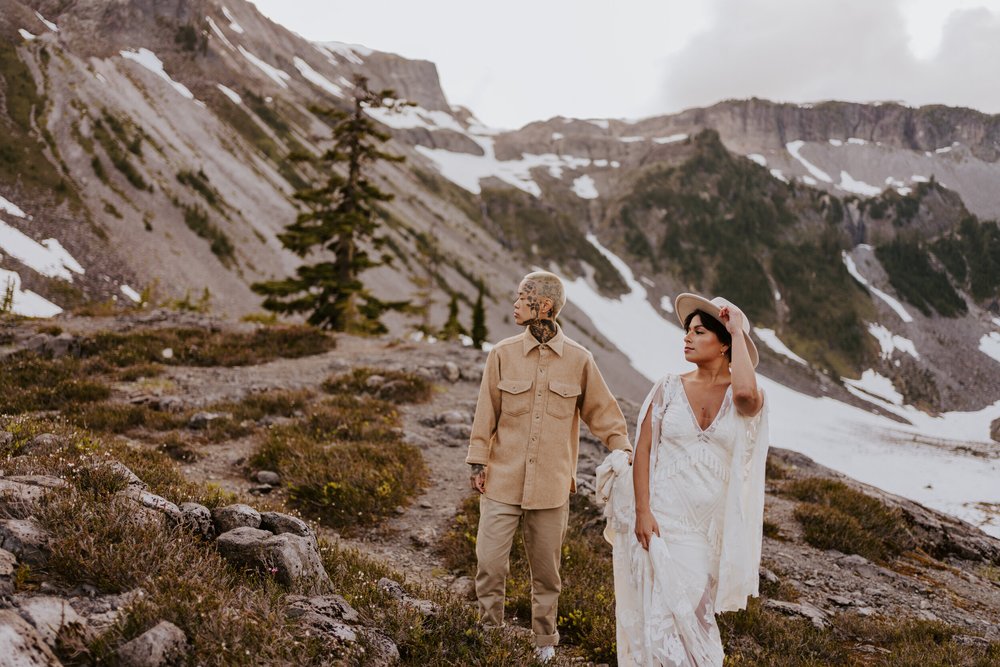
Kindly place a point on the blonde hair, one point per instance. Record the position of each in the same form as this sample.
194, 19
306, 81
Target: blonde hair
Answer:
548, 286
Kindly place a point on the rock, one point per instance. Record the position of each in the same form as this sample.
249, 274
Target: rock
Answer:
234, 516
20, 493
268, 477
202, 420
395, 590
865, 611
154, 502
375, 381
21, 645
6, 440
52, 616
167, 353
164, 644
198, 518
26, 539
995, 429
768, 576
382, 651
464, 587
450, 372
840, 600
813, 613
130, 477
331, 605
453, 417
8, 566
387, 390
279, 523
970, 640
457, 431
260, 489
291, 559
295, 562
43, 443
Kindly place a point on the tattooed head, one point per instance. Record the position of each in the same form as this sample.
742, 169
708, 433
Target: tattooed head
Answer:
544, 294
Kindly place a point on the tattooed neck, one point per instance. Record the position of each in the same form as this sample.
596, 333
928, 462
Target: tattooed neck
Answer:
542, 330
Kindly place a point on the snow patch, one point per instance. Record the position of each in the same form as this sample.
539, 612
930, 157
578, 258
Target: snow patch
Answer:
11, 208
230, 93
770, 338
631, 140
916, 178
556, 136
317, 79
889, 342
25, 302
406, 117
874, 384
279, 76
778, 175
836, 142
673, 138
233, 25
148, 59
852, 268
218, 33
857, 187
856, 141
667, 304
809, 180
25, 34
48, 24
584, 188
758, 158
131, 293
946, 149
990, 345
599, 122
794, 148
349, 52
48, 258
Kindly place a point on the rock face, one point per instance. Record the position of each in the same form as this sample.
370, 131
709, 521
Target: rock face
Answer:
165, 644
21, 645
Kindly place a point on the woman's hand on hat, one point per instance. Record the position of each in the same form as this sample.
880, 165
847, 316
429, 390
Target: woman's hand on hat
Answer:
732, 318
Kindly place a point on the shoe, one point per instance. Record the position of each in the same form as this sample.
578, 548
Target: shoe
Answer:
545, 654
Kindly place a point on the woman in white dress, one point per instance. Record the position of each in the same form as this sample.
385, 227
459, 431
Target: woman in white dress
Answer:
686, 523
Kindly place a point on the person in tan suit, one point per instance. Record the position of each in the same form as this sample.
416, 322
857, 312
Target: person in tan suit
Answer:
537, 386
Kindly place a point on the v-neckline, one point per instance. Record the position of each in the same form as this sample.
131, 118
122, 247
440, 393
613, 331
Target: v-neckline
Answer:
694, 417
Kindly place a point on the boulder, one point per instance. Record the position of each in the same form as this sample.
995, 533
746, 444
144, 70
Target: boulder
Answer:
331, 605
202, 420
816, 615
21, 645
52, 616
26, 539
395, 590
198, 518
44, 443
382, 651
450, 372
279, 523
292, 560
457, 431
123, 470
153, 502
22, 492
995, 429
234, 516
268, 477
453, 417
164, 644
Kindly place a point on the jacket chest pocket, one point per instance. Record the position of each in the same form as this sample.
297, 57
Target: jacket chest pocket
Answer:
515, 396
562, 399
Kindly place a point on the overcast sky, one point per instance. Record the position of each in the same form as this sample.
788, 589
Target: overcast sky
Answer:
516, 61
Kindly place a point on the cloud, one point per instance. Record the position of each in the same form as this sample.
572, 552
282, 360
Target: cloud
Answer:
855, 50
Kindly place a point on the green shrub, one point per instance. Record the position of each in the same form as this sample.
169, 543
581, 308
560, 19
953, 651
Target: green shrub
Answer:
838, 517
398, 386
31, 382
916, 281
344, 463
197, 221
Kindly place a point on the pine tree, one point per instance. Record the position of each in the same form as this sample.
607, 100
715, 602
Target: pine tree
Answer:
452, 328
479, 320
341, 215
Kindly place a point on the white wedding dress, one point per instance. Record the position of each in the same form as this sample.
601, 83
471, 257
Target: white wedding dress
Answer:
707, 495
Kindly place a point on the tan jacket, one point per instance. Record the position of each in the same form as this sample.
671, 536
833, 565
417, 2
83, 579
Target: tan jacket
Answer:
527, 424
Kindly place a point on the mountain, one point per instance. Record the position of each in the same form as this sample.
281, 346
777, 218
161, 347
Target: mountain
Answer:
146, 148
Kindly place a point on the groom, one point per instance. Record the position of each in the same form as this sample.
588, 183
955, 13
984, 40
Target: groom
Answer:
536, 388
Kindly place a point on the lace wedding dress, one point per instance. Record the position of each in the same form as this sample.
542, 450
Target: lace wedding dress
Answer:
707, 495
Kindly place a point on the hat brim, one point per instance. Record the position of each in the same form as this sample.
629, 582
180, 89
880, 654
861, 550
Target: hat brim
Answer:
686, 303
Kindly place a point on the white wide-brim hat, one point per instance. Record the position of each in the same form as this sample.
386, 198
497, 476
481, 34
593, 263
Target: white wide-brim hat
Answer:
686, 303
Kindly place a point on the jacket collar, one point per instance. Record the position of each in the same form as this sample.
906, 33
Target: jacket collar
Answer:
529, 342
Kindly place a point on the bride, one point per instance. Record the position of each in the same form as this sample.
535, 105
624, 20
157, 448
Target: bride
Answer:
686, 524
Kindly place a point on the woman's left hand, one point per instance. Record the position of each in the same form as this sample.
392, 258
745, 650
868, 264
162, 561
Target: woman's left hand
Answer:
732, 318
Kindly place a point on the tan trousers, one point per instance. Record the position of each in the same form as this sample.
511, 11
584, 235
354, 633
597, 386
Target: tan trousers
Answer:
543, 531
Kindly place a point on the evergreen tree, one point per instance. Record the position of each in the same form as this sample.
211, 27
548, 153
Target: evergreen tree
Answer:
479, 320
452, 328
341, 215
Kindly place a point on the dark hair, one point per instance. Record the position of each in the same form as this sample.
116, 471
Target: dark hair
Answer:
713, 325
